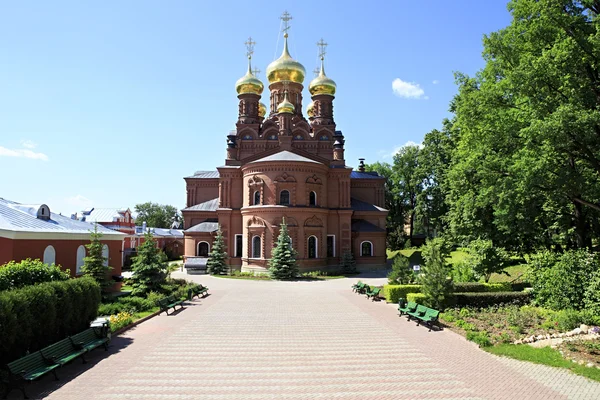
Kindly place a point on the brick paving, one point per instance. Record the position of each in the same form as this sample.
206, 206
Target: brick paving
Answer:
299, 340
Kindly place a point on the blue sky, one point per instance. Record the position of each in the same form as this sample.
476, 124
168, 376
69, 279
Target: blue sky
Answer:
110, 104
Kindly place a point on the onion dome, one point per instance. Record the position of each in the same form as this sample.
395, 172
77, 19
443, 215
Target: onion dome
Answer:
285, 68
322, 84
310, 110
262, 109
285, 106
249, 84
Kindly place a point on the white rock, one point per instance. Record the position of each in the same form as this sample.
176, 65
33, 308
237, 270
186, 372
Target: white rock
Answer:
590, 364
580, 362
584, 328
539, 337
576, 331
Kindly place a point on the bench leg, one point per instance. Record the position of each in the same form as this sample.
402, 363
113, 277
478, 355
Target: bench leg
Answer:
83, 360
54, 373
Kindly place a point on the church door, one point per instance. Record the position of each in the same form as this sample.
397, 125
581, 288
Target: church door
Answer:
202, 249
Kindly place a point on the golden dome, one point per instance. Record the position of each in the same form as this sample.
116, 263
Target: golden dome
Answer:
262, 109
322, 84
310, 110
285, 106
285, 68
249, 84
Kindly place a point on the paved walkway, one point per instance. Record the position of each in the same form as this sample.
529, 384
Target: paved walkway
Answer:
299, 340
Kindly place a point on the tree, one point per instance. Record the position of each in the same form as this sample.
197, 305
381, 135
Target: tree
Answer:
401, 273
436, 285
283, 260
485, 259
217, 257
157, 215
348, 263
95, 264
149, 267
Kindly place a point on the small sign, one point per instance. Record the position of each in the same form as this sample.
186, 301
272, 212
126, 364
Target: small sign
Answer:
416, 267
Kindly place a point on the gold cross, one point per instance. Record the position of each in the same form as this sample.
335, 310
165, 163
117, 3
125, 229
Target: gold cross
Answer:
316, 71
256, 71
249, 46
285, 17
322, 48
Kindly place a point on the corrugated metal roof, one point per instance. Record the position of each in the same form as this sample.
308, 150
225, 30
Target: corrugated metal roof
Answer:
176, 233
23, 218
102, 215
364, 175
210, 205
285, 156
205, 175
359, 205
360, 225
204, 227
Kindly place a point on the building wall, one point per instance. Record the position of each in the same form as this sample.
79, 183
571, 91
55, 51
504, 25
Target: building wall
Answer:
6, 250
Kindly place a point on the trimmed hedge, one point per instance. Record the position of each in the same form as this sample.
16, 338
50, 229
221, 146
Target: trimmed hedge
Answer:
27, 272
393, 293
476, 287
419, 298
36, 316
483, 299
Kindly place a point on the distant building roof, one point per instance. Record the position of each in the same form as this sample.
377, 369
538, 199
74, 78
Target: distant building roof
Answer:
359, 205
365, 175
102, 214
360, 225
24, 218
285, 156
204, 227
205, 175
210, 205
174, 233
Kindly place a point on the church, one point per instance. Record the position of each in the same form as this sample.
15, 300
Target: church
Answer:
280, 166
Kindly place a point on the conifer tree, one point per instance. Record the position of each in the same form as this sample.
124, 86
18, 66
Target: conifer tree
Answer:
150, 268
348, 263
217, 264
283, 260
95, 264
437, 288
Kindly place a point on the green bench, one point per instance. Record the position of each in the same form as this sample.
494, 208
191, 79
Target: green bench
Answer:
419, 313
361, 288
62, 352
358, 285
373, 293
88, 340
27, 369
168, 303
196, 291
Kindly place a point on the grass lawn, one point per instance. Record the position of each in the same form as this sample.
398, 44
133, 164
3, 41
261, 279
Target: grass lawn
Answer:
267, 278
393, 253
545, 355
515, 272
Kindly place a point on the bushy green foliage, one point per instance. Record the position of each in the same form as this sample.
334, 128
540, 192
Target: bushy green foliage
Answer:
470, 287
436, 285
217, 261
120, 320
560, 280
592, 293
486, 299
393, 293
283, 259
348, 263
485, 259
419, 298
149, 268
95, 264
29, 272
33, 317
401, 273
462, 271
482, 338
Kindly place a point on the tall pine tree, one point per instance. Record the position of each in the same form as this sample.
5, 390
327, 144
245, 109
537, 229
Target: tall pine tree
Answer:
217, 264
283, 260
95, 264
150, 268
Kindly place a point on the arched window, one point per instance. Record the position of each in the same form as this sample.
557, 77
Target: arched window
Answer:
256, 247
366, 249
256, 198
105, 254
80, 256
203, 249
284, 198
312, 247
49, 255
312, 199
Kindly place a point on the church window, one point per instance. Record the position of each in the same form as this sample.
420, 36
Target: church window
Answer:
256, 247
312, 247
298, 137
330, 245
256, 198
324, 138
366, 249
284, 198
49, 255
105, 255
238, 245
247, 137
312, 199
272, 137
79, 260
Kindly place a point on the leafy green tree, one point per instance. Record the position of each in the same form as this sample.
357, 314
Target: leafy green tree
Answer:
437, 288
150, 268
157, 215
283, 259
217, 258
401, 273
348, 263
486, 259
95, 264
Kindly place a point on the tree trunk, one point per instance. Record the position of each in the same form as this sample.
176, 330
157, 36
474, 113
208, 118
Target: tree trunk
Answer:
580, 226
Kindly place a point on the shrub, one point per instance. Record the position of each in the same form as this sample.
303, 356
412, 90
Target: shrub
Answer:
419, 298
283, 259
348, 263
95, 264
111, 308
481, 338
393, 293
485, 258
36, 316
436, 285
565, 320
462, 271
401, 272
120, 320
217, 260
486, 299
471, 287
29, 272
149, 268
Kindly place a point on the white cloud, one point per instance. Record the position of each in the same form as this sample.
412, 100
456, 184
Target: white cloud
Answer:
79, 201
26, 153
396, 149
28, 144
408, 90
435, 82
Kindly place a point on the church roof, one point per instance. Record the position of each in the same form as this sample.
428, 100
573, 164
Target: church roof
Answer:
285, 156
204, 227
205, 175
359, 205
365, 175
360, 225
210, 205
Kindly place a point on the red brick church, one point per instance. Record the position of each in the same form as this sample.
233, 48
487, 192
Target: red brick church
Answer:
283, 164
